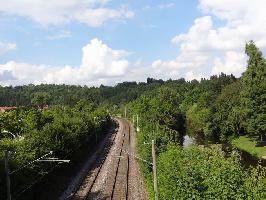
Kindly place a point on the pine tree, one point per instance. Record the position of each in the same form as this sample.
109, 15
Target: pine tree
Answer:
253, 96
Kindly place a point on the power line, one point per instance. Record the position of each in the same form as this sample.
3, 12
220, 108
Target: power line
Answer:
30, 163
19, 193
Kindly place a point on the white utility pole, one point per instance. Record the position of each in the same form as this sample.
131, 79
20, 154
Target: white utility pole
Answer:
125, 112
154, 171
8, 190
137, 123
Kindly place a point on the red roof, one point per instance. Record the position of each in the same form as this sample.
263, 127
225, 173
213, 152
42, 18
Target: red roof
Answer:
5, 108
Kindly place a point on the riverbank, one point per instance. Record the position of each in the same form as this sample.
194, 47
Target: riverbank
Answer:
246, 144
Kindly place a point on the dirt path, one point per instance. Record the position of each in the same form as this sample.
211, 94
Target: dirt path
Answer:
113, 170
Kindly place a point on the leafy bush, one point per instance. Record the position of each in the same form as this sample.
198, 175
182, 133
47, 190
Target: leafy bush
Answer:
207, 173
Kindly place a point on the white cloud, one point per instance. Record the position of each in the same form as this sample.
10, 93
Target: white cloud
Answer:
159, 6
220, 49
21, 73
195, 38
91, 12
99, 60
100, 64
233, 63
96, 17
167, 5
184, 60
190, 75
62, 34
5, 47
190, 57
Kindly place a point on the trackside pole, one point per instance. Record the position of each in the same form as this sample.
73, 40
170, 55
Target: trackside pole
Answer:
137, 123
154, 171
8, 191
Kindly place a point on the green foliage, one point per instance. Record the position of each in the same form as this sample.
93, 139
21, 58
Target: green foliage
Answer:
207, 173
253, 96
200, 108
70, 94
165, 106
59, 129
41, 99
160, 116
10, 122
197, 119
255, 184
229, 115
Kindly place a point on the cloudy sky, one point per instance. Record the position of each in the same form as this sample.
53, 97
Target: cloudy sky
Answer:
93, 42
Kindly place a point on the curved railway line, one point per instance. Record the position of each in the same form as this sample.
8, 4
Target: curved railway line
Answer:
114, 174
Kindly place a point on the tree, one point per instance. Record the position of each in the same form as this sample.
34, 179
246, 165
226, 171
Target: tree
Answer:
228, 116
253, 96
41, 99
166, 106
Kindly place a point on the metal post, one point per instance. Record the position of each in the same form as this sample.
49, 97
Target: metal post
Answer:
125, 112
138, 129
7, 175
137, 123
154, 171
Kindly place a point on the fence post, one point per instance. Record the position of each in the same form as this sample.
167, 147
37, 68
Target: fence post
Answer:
7, 153
154, 171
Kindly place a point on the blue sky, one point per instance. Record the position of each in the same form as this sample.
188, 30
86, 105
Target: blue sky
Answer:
161, 39
146, 35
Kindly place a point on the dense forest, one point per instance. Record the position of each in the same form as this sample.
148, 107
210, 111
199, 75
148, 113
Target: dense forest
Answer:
213, 111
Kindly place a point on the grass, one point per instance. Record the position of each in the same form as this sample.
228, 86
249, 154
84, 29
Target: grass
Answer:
246, 144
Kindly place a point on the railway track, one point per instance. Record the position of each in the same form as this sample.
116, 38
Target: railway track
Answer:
109, 177
120, 186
